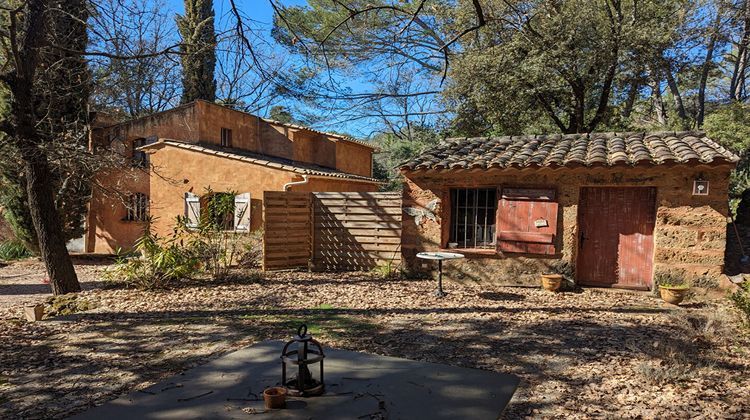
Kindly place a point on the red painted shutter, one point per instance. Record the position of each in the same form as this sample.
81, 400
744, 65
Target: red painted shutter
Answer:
527, 221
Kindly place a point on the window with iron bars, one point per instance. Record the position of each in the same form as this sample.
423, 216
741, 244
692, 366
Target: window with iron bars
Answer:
226, 137
473, 217
137, 208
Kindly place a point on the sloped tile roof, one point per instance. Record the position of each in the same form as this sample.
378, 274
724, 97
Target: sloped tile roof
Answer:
302, 168
592, 149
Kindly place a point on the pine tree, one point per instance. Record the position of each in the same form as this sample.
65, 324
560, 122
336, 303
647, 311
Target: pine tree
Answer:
199, 51
46, 125
62, 89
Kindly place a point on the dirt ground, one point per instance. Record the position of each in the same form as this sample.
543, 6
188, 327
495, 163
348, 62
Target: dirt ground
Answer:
583, 354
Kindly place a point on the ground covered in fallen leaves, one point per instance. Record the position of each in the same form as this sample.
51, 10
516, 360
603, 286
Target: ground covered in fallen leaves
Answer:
582, 354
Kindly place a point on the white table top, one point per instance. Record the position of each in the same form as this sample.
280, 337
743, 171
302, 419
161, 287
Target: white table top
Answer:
440, 255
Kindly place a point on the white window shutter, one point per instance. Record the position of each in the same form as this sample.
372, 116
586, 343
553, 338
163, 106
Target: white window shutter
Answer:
242, 212
192, 209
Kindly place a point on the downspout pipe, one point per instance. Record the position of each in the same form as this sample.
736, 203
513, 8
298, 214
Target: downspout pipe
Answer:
289, 185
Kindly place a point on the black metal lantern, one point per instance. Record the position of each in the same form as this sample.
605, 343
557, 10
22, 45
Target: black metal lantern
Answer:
307, 353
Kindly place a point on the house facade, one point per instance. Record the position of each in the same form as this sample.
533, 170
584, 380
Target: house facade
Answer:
615, 208
174, 158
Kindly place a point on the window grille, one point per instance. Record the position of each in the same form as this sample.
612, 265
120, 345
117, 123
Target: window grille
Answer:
473, 217
226, 137
137, 208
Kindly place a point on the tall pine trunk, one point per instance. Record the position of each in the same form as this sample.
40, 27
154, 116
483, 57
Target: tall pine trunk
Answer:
713, 38
22, 125
62, 275
737, 84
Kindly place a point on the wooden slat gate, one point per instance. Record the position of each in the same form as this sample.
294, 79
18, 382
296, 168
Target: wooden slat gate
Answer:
286, 229
356, 230
331, 231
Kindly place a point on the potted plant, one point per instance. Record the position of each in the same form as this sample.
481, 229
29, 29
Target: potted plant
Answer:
673, 293
553, 280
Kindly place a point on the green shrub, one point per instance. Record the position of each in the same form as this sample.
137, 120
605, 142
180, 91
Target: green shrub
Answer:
13, 250
741, 299
161, 262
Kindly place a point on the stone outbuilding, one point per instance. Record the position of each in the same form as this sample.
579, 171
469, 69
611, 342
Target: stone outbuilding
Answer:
610, 209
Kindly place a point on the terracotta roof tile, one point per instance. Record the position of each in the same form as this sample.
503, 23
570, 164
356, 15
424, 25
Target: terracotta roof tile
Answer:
592, 149
302, 168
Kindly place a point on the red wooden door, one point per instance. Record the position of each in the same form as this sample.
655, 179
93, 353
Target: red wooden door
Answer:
615, 236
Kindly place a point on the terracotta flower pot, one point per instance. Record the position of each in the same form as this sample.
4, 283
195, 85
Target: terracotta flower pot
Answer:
552, 282
274, 397
673, 295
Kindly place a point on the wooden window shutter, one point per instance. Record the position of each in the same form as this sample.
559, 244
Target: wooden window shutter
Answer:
242, 212
527, 221
192, 210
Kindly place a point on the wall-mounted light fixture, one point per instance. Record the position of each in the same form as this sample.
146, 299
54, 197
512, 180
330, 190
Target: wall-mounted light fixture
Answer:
700, 186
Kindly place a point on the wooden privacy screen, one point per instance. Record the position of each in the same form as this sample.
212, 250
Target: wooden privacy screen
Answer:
286, 229
356, 230
527, 221
332, 231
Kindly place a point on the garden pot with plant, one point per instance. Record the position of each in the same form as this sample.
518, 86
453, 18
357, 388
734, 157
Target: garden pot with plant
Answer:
552, 282
673, 293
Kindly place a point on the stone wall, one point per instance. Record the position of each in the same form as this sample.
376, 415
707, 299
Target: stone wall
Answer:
689, 235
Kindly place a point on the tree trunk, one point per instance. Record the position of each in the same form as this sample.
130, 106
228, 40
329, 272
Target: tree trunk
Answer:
630, 101
737, 84
52, 248
658, 103
22, 129
677, 97
712, 39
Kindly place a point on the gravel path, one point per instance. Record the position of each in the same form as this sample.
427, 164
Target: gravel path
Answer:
579, 355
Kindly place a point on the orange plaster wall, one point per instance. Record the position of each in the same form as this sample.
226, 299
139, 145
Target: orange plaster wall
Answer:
213, 118
353, 158
107, 231
182, 123
184, 171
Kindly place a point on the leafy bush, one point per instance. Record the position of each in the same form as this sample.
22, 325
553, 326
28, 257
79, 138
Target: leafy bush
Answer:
741, 299
211, 247
161, 262
214, 241
13, 250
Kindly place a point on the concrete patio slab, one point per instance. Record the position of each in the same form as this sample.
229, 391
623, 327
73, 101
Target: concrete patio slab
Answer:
358, 385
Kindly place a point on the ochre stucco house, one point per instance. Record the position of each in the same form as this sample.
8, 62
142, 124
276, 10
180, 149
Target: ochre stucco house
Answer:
175, 156
615, 206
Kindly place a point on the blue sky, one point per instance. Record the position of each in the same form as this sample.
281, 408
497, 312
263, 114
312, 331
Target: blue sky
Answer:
261, 13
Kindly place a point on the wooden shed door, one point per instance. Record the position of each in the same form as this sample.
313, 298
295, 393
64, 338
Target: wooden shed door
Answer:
615, 236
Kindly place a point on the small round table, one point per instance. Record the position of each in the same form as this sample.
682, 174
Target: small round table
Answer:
440, 256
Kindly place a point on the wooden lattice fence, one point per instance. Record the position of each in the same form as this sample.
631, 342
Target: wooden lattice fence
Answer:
287, 229
356, 231
343, 231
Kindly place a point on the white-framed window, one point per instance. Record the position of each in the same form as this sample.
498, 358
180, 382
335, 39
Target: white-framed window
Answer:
233, 218
137, 208
226, 137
